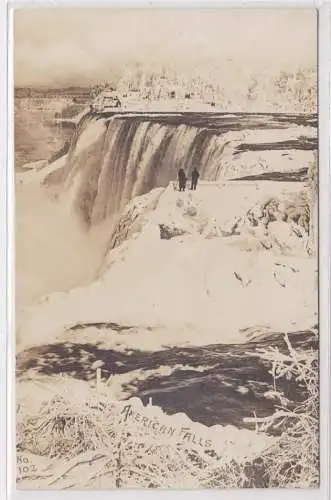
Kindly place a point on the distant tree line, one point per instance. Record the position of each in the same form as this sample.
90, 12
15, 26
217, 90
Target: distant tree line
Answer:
285, 91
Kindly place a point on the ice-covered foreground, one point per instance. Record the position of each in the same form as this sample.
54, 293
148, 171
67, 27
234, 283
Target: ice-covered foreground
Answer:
182, 266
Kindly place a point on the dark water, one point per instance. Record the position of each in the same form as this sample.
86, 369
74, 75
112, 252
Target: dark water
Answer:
209, 396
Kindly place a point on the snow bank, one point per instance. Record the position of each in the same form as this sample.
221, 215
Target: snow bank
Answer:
204, 285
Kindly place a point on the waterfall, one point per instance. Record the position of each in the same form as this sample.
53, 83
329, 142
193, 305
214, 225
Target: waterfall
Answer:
113, 159
128, 156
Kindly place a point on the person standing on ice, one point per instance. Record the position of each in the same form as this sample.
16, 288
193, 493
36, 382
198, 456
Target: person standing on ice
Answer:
181, 179
194, 181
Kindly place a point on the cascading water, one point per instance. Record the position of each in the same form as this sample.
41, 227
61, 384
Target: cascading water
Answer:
132, 155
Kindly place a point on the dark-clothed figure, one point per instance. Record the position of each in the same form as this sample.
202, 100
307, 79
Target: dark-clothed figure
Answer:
181, 179
194, 181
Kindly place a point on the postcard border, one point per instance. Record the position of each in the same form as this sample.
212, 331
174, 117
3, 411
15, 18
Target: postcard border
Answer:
7, 248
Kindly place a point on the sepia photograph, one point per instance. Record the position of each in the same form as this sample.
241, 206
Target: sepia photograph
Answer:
166, 248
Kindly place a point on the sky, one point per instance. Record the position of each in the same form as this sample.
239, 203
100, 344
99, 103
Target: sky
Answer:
66, 46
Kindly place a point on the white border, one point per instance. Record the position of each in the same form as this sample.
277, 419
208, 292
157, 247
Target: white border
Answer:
7, 257
3, 254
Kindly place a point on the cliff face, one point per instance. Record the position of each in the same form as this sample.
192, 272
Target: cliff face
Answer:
113, 159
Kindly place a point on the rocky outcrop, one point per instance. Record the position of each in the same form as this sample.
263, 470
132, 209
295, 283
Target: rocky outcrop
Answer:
168, 231
133, 218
